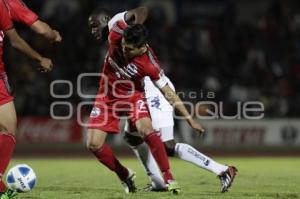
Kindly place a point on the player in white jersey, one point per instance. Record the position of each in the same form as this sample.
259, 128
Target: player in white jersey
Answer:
163, 122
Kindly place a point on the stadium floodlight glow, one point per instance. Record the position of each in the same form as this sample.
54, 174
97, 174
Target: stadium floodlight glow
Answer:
61, 103
61, 96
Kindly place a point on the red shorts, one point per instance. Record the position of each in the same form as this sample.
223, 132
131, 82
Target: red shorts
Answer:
5, 90
107, 112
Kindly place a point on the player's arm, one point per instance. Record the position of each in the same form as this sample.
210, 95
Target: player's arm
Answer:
17, 42
161, 81
45, 30
21, 13
136, 16
174, 100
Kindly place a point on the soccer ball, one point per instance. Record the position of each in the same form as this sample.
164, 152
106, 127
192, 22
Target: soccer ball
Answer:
21, 178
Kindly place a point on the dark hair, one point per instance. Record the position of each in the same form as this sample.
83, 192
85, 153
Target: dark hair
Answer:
136, 34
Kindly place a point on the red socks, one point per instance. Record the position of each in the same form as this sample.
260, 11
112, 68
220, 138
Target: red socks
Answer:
106, 157
159, 153
7, 145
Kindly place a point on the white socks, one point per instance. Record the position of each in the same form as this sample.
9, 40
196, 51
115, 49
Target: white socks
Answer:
144, 155
184, 152
190, 154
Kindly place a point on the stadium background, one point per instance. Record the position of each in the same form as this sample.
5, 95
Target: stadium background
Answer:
239, 50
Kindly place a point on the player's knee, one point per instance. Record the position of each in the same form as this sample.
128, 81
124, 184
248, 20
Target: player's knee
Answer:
133, 140
145, 130
3, 129
170, 148
93, 145
7, 131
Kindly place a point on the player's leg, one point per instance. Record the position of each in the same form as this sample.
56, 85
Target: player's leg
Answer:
96, 144
8, 121
141, 150
190, 154
158, 151
101, 122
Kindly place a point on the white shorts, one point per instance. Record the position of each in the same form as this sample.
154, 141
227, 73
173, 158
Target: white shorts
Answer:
162, 117
161, 112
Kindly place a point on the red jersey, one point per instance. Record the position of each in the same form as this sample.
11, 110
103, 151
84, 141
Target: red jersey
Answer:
19, 12
5, 24
14, 10
117, 70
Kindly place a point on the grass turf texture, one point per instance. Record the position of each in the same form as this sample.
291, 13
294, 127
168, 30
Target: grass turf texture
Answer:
85, 178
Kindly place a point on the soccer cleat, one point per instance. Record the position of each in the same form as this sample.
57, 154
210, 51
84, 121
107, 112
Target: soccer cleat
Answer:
151, 188
128, 184
227, 178
8, 194
173, 187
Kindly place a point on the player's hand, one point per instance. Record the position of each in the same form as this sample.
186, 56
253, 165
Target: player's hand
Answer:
58, 37
46, 64
196, 126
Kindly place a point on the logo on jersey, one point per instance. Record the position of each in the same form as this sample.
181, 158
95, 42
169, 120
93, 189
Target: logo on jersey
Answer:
95, 112
155, 103
126, 72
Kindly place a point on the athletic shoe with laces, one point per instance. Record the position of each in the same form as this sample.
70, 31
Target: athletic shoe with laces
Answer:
173, 187
151, 188
128, 184
227, 178
8, 194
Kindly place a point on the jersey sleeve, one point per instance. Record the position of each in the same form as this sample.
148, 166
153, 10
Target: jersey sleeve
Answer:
116, 32
116, 18
21, 13
151, 68
5, 22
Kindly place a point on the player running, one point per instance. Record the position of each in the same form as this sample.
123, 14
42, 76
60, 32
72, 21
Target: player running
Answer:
16, 10
125, 68
162, 120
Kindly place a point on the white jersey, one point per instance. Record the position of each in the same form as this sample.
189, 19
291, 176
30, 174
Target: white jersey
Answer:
118, 17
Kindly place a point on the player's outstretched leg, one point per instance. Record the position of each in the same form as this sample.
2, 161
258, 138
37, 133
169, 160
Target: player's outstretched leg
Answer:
158, 151
104, 154
188, 153
141, 150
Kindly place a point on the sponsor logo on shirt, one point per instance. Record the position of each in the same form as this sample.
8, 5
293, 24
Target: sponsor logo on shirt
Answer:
95, 112
155, 103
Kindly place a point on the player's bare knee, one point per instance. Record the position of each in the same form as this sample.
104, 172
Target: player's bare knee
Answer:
11, 131
145, 130
93, 145
3, 129
170, 148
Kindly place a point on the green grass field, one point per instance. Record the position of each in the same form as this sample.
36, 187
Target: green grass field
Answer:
85, 178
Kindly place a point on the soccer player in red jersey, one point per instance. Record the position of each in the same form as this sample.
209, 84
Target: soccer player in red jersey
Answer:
7, 109
128, 61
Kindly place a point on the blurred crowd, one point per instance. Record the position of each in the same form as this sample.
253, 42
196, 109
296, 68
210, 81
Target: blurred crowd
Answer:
202, 46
